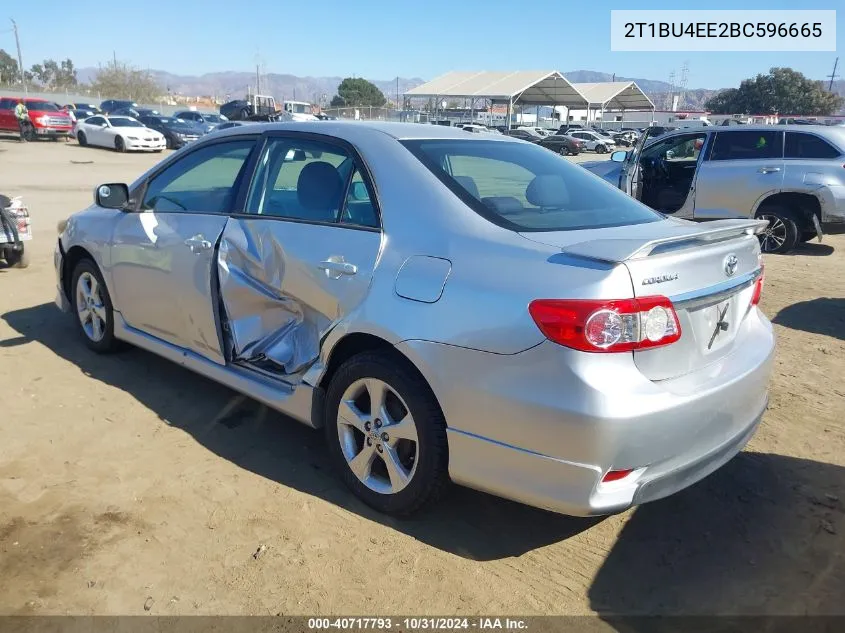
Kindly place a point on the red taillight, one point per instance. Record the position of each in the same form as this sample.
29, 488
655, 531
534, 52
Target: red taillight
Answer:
616, 475
758, 289
607, 326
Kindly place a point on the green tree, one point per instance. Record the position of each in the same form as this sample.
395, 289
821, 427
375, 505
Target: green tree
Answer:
355, 92
9, 73
782, 90
119, 81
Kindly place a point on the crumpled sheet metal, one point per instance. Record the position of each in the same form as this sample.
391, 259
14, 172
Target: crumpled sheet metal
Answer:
266, 326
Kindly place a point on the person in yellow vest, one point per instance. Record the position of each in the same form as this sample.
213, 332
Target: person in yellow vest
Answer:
22, 115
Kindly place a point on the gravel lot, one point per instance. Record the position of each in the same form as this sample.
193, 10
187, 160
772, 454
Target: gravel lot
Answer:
130, 486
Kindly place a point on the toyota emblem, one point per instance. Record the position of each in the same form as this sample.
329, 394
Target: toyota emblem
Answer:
731, 263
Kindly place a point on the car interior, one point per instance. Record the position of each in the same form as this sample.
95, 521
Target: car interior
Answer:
309, 184
667, 171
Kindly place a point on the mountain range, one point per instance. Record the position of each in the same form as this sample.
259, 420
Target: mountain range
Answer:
234, 84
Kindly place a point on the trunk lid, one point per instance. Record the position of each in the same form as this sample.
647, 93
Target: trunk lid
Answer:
707, 270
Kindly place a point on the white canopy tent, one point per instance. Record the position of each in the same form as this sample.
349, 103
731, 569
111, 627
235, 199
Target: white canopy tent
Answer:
614, 95
526, 87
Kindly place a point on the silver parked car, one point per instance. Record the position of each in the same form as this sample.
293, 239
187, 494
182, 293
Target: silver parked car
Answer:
445, 305
790, 176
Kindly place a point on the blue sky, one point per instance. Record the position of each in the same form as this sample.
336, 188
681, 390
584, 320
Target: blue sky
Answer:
378, 39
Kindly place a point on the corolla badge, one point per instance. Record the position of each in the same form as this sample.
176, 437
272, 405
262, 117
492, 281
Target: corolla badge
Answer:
659, 279
731, 263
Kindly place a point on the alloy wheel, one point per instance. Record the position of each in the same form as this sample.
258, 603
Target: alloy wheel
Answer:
775, 234
90, 307
378, 436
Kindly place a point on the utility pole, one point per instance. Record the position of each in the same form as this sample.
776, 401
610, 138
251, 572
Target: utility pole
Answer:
20, 59
832, 75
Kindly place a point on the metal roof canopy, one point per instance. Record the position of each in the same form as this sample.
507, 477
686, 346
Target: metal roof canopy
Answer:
615, 95
525, 87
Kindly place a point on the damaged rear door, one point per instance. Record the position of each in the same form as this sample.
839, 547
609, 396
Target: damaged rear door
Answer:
163, 252
301, 257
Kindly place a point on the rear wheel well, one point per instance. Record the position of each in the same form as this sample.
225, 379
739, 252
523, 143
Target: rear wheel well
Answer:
352, 345
801, 206
71, 259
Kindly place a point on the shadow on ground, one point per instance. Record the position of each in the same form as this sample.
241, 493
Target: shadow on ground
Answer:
467, 523
763, 535
825, 315
811, 249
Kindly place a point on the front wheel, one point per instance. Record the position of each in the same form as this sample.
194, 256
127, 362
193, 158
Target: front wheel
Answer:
119, 144
93, 308
386, 434
782, 235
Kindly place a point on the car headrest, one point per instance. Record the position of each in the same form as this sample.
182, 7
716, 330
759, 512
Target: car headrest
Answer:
547, 190
319, 187
469, 184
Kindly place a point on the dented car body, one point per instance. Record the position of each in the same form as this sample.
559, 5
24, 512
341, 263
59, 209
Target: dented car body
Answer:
443, 277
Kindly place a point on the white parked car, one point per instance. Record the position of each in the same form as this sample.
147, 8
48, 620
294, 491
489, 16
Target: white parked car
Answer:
121, 133
593, 142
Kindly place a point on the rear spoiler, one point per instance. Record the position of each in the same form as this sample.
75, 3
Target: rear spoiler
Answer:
622, 250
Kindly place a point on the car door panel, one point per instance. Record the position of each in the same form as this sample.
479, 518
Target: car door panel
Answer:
285, 284
161, 264
732, 188
164, 255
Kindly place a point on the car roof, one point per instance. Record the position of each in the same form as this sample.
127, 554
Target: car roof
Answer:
349, 130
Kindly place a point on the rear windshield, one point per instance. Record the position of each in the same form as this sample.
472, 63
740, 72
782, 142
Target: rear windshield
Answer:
124, 122
527, 188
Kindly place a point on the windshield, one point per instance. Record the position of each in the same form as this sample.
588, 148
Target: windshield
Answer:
213, 118
125, 122
527, 188
42, 106
299, 108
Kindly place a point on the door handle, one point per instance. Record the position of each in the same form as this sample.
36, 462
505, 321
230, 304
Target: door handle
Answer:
768, 170
335, 269
198, 244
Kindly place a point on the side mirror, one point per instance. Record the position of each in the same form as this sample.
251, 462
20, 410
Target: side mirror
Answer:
112, 196
359, 192
619, 157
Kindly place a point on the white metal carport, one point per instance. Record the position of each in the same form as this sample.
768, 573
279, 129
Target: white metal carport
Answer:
614, 95
524, 87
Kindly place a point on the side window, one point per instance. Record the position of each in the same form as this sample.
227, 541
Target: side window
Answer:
300, 180
6, 104
747, 145
801, 145
203, 181
359, 209
95, 120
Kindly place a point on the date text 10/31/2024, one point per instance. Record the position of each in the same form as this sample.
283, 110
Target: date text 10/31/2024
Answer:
416, 624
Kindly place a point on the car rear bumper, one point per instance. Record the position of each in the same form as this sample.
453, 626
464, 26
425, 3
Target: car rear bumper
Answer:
544, 426
832, 202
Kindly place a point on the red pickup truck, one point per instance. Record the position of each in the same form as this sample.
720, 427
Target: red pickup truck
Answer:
48, 119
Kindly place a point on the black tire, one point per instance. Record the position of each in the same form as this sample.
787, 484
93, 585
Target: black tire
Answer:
119, 144
18, 259
108, 343
563, 151
782, 235
431, 474
81, 139
600, 149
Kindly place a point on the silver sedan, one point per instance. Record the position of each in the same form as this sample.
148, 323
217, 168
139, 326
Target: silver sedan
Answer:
446, 306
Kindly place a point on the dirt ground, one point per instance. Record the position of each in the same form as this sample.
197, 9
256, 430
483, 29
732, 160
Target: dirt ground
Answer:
124, 489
